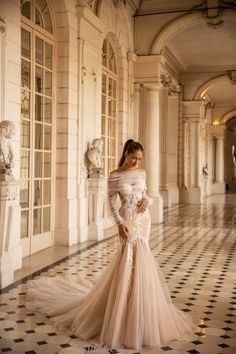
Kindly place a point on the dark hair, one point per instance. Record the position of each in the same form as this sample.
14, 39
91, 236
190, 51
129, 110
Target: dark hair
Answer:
130, 147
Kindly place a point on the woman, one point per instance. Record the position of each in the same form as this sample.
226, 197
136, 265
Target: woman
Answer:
130, 305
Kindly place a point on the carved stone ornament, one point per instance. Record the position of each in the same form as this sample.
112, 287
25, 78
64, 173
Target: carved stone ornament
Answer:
167, 82
213, 13
94, 155
7, 130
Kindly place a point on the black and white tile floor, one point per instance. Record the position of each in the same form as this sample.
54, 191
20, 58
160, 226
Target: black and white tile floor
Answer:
196, 249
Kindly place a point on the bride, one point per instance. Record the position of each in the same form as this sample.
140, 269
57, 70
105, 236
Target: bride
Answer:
130, 306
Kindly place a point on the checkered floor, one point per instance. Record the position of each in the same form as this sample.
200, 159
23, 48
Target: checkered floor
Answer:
196, 249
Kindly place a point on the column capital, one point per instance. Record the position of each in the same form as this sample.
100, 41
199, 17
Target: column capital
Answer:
217, 131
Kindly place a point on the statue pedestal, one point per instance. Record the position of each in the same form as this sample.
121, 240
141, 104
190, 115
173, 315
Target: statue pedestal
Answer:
97, 190
10, 248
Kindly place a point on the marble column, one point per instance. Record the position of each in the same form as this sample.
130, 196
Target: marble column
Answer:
192, 190
219, 185
152, 162
172, 147
164, 132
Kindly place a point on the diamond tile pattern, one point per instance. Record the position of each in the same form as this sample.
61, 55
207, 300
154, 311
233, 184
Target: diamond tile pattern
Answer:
196, 249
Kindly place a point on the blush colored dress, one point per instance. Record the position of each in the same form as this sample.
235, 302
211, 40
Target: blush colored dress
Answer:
130, 305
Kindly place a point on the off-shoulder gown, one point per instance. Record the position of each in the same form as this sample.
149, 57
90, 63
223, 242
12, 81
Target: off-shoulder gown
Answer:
130, 305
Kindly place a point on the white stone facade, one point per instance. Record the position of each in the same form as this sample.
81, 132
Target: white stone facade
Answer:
177, 100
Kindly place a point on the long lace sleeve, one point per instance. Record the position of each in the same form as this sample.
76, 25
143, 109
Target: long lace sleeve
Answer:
112, 199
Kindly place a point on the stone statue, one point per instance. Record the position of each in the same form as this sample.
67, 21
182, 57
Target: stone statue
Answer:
94, 155
7, 130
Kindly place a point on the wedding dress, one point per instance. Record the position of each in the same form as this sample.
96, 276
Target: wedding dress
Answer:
130, 305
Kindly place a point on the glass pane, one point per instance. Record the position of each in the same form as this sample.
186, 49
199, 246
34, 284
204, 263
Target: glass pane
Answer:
41, 5
47, 192
103, 126
38, 79
39, 50
113, 112
25, 104
48, 83
24, 194
47, 20
24, 224
110, 87
25, 9
25, 74
37, 193
48, 110
111, 127
111, 59
24, 164
38, 108
25, 133
38, 18
37, 221
103, 104
25, 43
47, 137
38, 163
111, 148
48, 55
110, 107
47, 164
46, 219
38, 136
113, 91
103, 83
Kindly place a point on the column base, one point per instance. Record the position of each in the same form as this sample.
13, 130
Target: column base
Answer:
174, 194
6, 271
96, 231
192, 195
218, 188
156, 210
166, 197
17, 255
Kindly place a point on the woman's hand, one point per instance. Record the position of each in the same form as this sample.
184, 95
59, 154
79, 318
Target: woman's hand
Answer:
142, 206
123, 231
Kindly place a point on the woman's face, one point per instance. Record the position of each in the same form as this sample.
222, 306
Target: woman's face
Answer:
133, 159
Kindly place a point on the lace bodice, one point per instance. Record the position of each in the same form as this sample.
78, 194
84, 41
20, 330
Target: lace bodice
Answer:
131, 188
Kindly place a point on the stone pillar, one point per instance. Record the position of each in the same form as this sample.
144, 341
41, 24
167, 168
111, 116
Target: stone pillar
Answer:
172, 147
192, 192
97, 190
219, 185
10, 248
152, 115
164, 132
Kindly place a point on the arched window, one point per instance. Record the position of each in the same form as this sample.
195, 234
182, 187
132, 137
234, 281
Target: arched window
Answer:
37, 112
109, 106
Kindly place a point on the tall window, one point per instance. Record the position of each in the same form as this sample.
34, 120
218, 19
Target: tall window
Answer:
37, 48
109, 106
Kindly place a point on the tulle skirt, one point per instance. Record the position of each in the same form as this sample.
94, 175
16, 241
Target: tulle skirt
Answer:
128, 307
